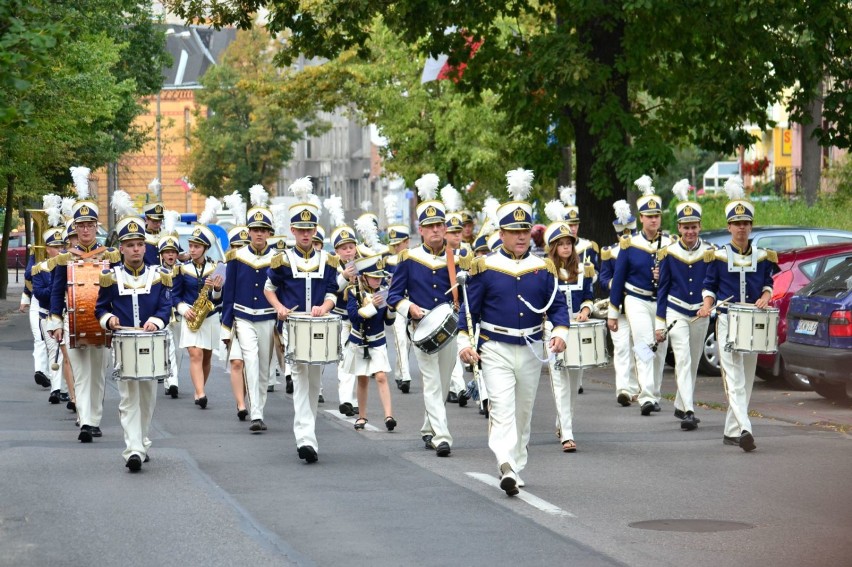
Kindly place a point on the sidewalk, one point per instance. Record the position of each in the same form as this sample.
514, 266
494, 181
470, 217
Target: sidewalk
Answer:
13, 295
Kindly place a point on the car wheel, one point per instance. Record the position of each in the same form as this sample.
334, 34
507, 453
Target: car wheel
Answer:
766, 374
830, 390
709, 363
795, 380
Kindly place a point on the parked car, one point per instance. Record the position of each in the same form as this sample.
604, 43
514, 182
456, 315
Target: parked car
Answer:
17, 256
215, 252
820, 342
797, 269
780, 238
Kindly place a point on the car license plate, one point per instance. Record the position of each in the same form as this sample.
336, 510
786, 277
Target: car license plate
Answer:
806, 327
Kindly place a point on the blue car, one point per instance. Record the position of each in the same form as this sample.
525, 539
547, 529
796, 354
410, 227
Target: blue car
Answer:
819, 333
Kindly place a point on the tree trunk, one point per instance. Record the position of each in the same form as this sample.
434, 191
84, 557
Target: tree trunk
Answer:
811, 150
7, 229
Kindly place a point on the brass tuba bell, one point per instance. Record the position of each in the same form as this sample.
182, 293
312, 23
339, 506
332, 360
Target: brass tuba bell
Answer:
39, 226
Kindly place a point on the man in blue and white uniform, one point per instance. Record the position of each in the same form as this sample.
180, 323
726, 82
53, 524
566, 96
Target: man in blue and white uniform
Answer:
399, 240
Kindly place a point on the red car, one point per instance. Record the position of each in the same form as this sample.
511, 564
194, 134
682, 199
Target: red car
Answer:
17, 255
797, 269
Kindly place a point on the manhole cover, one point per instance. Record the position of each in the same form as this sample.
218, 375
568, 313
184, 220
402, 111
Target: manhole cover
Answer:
695, 526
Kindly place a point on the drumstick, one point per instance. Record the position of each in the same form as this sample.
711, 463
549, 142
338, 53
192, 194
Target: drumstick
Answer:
123, 328
55, 365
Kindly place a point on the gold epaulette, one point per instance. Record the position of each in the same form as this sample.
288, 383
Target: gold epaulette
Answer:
334, 261
772, 256
465, 261
550, 266
478, 266
674, 237
594, 246
113, 255
107, 278
166, 277
346, 291
709, 255
606, 254
662, 253
59, 260
403, 255
589, 270
36, 269
624, 243
279, 260
230, 254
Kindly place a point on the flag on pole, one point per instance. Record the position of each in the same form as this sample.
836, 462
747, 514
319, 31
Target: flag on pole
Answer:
439, 68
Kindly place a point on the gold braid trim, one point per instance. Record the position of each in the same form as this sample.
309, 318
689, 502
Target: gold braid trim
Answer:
107, 278
333, 261
709, 255
165, 278
589, 270
403, 255
606, 254
478, 266
59, 260
279, 260
550, 266
662, 253
230, 254
624, 243
36, 269
113, 255
464, 262
772, 256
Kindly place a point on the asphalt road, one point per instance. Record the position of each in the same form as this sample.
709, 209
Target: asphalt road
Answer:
214, 494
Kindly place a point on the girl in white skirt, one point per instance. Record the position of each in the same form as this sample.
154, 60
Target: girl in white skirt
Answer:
194, 275
367, 352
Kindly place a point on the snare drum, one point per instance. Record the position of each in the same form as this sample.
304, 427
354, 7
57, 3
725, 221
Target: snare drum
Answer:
140, 355
751, 329
435, 330
313, 340
585, 346
84, 280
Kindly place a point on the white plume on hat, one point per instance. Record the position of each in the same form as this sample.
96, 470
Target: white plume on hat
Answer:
681, 190
568, 195
519, 183
734, 188
622, 211
155, 187
452, 198
301, 188
258, 195
391, 207
122, 204
644, 184
489, 209
211, 207
367, 230
170, 220
334, 206
555, 210
68, 206
427, 186
52, 205
237, 206
80, 176
366, 205
279, 218
315, 201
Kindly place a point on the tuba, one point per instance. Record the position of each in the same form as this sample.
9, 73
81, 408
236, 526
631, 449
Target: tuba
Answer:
39, 226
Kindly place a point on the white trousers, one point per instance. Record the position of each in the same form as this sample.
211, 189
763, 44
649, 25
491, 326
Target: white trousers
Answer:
135, 409
175, 354
307, 380
565, 384
403, 349
40, 361
56, 376
626, 379
345, 380
687, 340
738, 377
256, 343
88, 366
511, 373
641, 316
436, 370
457, 377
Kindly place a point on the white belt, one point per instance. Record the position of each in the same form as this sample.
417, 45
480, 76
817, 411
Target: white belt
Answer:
44, 311
249, 311
485, 326
370, 338
683, 304
638, 290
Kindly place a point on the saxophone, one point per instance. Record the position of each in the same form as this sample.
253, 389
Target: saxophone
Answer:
202, 308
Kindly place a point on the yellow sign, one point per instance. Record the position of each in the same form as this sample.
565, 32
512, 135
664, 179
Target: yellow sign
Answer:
786, 142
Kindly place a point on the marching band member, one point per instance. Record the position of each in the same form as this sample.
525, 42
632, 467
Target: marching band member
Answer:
509, 293
30, 304
419, 284
303, 279
366, 354
87, 362
238, 236
455, 225
682, 271
743, 272
200, 303
634, 287
134, 295
280, 221
626, 381
575, 284
319, 238
169, 247
248, 319
468, 226
399, 240
153, 222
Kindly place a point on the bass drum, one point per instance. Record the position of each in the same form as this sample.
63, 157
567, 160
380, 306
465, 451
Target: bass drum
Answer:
84, 329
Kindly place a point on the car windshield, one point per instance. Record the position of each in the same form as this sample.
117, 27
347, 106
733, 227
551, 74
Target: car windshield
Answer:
833, 283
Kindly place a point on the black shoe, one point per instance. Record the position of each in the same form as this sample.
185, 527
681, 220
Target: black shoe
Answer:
747, 442
321, 399
160, 380
346, 409
390, 422
647, 408
201, 402
173, 392
147, 458
308, 453
85, 434
288, 387
623, 398
452, 398
71, 406
270, 388
508, 480
484, 409
257, 425
41, 379
730, 440
657, 407
53, 398
64, 397
462, 398
406, 386
443, 449
242, 414
398, 384
679, 414
96, 432
134, 463
427, 441
580, 390
355, 411
689, 422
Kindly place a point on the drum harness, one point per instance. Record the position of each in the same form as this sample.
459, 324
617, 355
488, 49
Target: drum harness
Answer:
123, 289
300, 275
742, 270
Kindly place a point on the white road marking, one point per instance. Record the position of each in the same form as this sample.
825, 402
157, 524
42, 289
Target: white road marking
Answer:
351, 420
533, 501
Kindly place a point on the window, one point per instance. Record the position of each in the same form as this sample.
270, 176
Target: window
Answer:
810, 268
782, 241
832, 238
834, 261
187, 125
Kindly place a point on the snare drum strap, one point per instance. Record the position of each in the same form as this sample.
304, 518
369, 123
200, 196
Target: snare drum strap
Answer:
732, 267
134, 293
303, 275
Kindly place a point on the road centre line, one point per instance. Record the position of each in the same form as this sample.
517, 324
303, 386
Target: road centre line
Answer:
533, 501
351, 420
